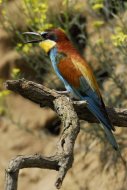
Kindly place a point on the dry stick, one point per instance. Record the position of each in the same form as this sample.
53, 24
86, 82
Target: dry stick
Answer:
30, 161
45, 96
63, 158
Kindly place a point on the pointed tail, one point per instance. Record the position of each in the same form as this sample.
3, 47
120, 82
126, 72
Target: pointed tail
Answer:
110, 137
101, 115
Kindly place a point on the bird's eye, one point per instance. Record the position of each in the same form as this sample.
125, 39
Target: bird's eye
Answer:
48, 35
44, 35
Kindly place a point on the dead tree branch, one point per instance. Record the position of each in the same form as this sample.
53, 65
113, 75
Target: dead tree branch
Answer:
30, 161
68, 112
45, 97
63, 158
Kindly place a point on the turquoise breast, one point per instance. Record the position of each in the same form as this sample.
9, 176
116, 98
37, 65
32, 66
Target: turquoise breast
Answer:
55, 58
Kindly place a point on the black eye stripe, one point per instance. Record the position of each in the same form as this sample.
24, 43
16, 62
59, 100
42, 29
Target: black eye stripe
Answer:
50, 36
44, 34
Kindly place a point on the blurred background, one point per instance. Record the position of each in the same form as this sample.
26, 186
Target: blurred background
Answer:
98, 29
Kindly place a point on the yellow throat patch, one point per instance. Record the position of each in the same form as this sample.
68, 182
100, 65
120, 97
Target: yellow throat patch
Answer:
47, 45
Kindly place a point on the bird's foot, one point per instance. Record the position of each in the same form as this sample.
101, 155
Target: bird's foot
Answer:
80, 103
63, 92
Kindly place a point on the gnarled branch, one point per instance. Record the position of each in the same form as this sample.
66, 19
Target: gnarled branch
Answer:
63, 158
68, 112
45, 97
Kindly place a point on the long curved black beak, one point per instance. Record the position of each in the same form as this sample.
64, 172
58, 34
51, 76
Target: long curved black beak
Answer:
32, 37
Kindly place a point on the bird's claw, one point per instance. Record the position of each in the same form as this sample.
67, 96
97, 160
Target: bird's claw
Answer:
80, 103
63, 92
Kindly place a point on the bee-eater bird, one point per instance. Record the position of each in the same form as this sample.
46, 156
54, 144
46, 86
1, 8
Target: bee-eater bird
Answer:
77, 76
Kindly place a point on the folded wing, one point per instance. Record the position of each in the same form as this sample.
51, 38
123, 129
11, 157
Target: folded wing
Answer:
83, 83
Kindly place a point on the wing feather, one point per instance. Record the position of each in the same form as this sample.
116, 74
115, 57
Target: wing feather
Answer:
69, 72
81, 79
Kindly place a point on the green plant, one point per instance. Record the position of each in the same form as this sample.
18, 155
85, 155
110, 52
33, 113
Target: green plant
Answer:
3, 95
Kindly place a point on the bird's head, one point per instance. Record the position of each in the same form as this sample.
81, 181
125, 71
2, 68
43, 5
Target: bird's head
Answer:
47, 39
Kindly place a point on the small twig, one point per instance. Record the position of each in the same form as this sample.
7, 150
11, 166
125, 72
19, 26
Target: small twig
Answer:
21, 162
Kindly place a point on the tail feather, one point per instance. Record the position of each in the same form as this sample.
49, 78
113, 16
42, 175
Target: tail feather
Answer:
95, 109
111, 138
107, 128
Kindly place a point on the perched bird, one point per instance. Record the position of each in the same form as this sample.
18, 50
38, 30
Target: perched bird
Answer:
77, 76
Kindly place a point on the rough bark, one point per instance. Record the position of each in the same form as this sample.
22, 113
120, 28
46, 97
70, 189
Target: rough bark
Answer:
69, 112
62, 159
45, 96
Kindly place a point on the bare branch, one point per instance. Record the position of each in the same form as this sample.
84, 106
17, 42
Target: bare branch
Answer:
45, 96
68, 112
63, 158
21, 162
